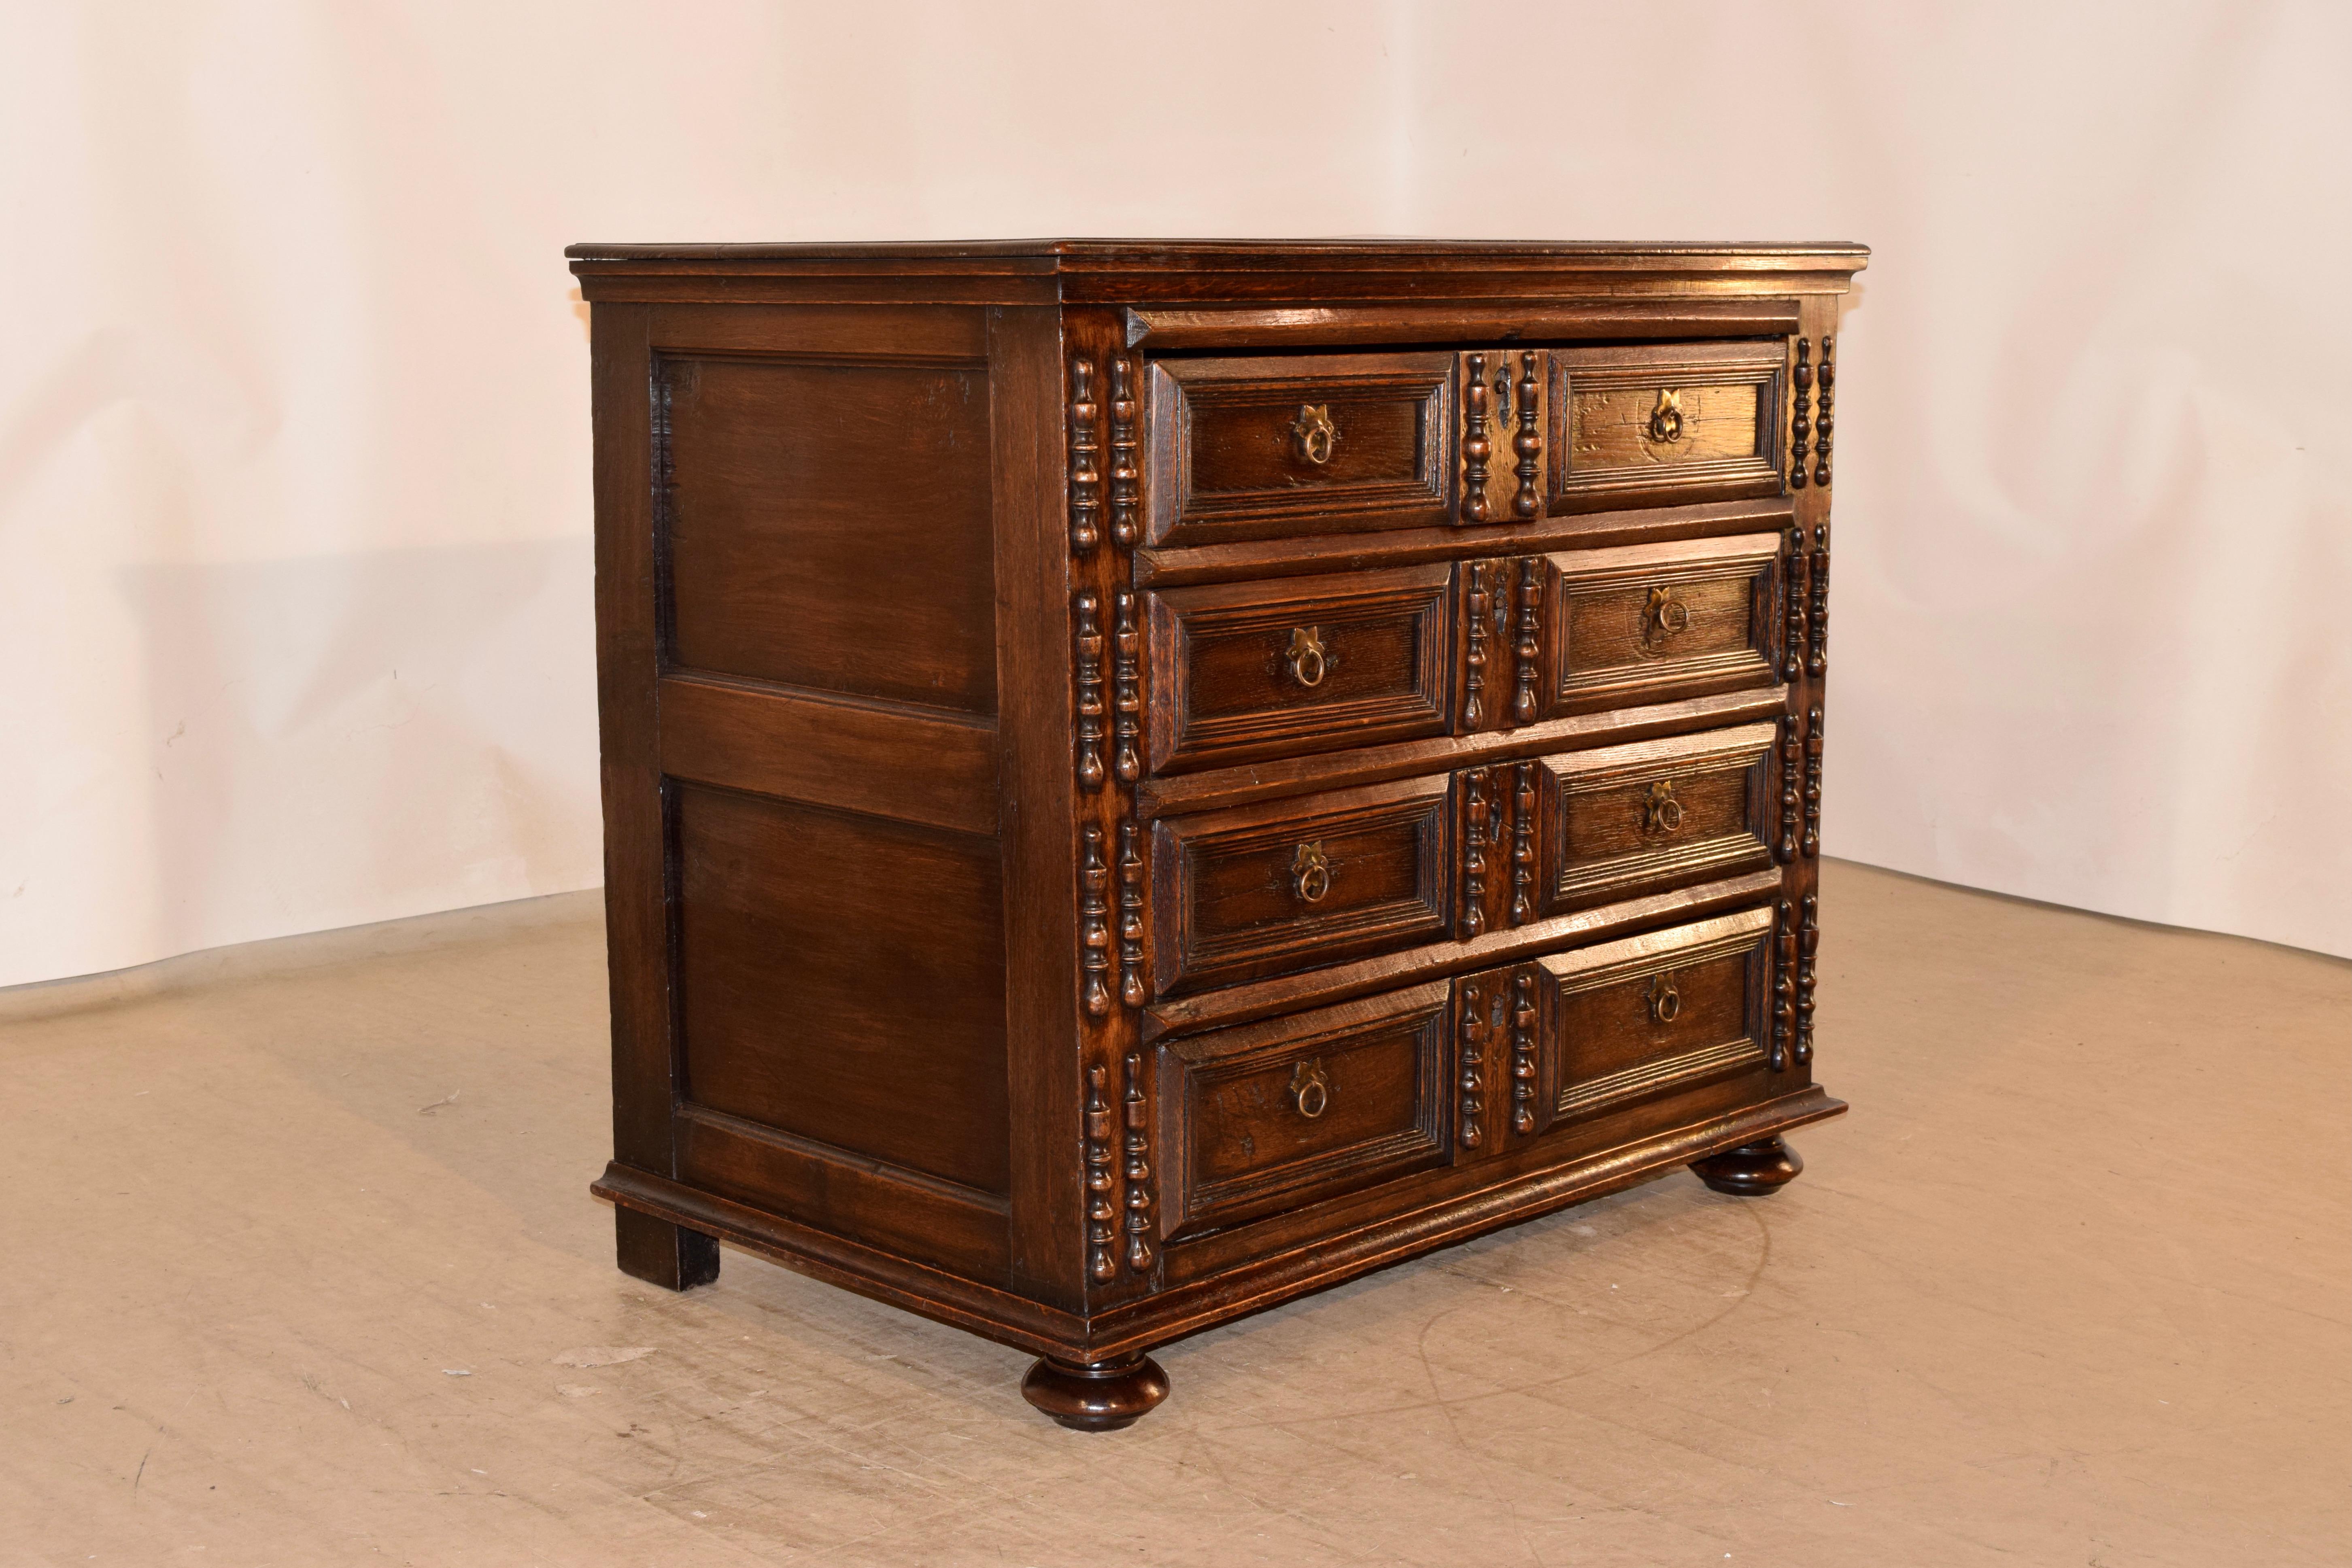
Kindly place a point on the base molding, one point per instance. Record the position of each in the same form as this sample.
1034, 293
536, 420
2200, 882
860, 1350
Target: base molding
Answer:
1125, 1332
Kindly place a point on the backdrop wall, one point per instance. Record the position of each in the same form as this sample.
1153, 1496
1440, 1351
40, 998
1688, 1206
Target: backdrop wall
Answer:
294, 505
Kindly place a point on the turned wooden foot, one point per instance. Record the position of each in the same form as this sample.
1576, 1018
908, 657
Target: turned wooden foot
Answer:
1752, 1170
662, 1253
1101, 1398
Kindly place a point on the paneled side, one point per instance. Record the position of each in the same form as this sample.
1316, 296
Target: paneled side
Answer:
827, 521
841, 979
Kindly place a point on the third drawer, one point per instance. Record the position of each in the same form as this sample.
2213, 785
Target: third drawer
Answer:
1295, 884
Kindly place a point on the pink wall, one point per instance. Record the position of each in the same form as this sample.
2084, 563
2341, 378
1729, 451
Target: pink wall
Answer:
294, 512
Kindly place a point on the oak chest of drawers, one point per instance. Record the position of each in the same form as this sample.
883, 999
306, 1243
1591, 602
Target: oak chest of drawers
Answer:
1142, 780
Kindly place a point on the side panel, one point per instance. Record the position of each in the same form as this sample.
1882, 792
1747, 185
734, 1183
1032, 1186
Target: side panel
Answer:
822, 518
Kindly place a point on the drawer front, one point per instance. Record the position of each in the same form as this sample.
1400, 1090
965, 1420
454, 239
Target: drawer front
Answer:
1582, 1034
1667, 424
1268, 889
1258, 448
1650, 622
1272, 1116
1294, 665
1624, 821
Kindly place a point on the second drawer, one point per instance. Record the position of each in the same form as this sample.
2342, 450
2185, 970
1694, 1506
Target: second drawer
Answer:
1294, 884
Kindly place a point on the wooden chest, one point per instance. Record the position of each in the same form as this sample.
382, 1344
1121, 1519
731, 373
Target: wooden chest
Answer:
1145, 779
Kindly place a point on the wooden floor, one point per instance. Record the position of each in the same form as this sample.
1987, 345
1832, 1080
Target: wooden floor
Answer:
300, 1269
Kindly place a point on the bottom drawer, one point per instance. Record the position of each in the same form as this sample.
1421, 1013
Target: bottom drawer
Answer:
1580, 1034
1276, 1115
1275, 1132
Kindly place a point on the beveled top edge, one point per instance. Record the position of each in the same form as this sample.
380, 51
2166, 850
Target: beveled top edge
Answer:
1241, 255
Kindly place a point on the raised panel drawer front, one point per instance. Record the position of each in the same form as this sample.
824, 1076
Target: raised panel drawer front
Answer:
1629, 820
1666, 425
1647, 622
1293, 884
1293, 665
1632, 1020
1279, 1114
1259, 448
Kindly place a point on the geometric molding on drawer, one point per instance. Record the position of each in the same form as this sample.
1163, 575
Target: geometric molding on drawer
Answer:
1668, 424
1633, 818
1660, 620
1634, 1019
1277, 667
1297, 445
1264, 890
1294, 1109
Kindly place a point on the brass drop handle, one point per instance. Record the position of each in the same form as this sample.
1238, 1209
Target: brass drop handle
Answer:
1312, 433
1310, 1091
1308, 659
1661, 812
1662, 617
1665, 1001
1310, 873
1666, 418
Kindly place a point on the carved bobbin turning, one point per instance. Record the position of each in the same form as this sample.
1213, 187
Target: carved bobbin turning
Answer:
1475, 808
1473, 1066
1090, 692
1800, 427
1478, 450
1094, 924
1822, 424
1086, 479
1124, 473
1102, 1207
1138, 1171
1527, 500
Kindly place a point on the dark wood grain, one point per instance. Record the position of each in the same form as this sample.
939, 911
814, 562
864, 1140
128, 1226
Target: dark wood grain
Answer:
842, 978
1281, 1114
1037, 802
916, 764
1266, 890
1275, 668
636, 891
1146, 778
1231, 459
1321, 325
828, 525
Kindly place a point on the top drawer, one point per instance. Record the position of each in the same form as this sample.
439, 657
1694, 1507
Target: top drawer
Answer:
1666, 425
1245, 448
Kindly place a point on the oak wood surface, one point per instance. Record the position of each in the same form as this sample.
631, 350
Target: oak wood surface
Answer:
1147, 778
854, 557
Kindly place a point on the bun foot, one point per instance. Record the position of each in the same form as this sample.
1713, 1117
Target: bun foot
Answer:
1101, 1398
1752, 1170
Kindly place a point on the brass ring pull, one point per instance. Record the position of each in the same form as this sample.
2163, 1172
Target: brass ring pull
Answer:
1309, 661
1310, 1091
1312, 433
1661, 812
1662, 617
1665, 1001
1666, 418
1310, 873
